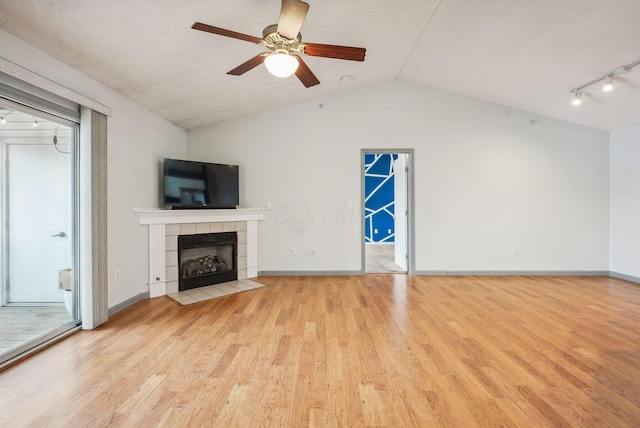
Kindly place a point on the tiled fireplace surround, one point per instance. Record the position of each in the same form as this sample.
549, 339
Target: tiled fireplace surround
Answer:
166, 225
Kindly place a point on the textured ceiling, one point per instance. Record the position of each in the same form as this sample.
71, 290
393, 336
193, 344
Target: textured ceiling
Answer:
521, 54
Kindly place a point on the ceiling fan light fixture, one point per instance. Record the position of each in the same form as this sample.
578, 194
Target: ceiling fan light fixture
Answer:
281, 64
284, 44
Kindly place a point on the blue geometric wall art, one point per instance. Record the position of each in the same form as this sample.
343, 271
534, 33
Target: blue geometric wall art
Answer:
379, 197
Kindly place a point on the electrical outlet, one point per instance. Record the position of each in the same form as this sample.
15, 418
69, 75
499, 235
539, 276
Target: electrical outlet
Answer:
117, 275
375, 230
293, 251
388, 230
516, 251
349, 205
268, 205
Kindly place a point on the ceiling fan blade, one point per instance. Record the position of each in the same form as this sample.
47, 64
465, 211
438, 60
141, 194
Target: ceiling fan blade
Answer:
333, 51
249, 65
305, 74
292, 16
227, 33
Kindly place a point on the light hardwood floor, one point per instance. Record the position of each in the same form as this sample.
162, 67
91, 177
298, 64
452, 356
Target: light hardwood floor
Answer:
379, 350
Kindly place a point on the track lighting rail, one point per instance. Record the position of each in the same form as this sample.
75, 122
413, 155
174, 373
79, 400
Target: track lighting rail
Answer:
577, 91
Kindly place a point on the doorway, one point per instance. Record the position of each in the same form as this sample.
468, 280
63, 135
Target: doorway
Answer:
387, 213
39, 237
39, 240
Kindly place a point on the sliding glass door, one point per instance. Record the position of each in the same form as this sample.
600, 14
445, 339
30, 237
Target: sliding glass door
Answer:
39, 238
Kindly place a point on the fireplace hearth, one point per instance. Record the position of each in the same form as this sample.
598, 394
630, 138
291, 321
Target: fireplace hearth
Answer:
207, 259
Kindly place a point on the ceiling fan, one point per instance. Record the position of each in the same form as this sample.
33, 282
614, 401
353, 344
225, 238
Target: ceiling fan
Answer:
285, 45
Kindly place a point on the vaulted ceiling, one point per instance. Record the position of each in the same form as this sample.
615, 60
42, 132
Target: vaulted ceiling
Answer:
521, 54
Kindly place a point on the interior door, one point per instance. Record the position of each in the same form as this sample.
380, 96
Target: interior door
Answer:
39, 219
400, 210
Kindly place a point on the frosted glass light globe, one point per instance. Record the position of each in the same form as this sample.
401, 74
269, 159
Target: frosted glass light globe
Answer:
281, 65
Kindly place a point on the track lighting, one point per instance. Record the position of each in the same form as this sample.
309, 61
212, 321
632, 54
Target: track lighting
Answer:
577, 100
2, 118
608, 85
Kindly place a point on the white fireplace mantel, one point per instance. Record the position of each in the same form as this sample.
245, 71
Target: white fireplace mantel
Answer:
156, 216
158, 220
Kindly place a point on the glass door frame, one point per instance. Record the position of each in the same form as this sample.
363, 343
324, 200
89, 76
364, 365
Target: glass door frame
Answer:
74, 145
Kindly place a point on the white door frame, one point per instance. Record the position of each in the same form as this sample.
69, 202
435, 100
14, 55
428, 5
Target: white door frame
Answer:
400, 211
409, 200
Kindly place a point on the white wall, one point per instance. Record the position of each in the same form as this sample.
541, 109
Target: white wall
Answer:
137, 142
624, 201
486, 180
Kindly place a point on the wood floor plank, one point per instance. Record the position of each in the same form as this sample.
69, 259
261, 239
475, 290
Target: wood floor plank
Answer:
376, 350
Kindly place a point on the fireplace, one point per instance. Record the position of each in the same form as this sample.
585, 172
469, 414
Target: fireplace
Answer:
206, 259
166, 225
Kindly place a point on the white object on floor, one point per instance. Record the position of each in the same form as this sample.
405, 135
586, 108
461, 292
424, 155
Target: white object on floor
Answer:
67, 301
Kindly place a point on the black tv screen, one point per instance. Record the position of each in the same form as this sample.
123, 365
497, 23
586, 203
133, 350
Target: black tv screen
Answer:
190, 184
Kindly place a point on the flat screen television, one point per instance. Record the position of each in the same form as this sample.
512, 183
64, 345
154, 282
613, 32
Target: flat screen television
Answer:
191, 185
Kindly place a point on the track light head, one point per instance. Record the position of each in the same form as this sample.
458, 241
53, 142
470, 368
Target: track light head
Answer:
577, 100
2, 118
608, 86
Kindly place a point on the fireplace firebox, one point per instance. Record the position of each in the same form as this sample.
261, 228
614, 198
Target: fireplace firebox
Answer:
207, 259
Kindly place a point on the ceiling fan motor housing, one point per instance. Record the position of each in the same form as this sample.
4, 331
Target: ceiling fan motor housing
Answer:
272, 40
